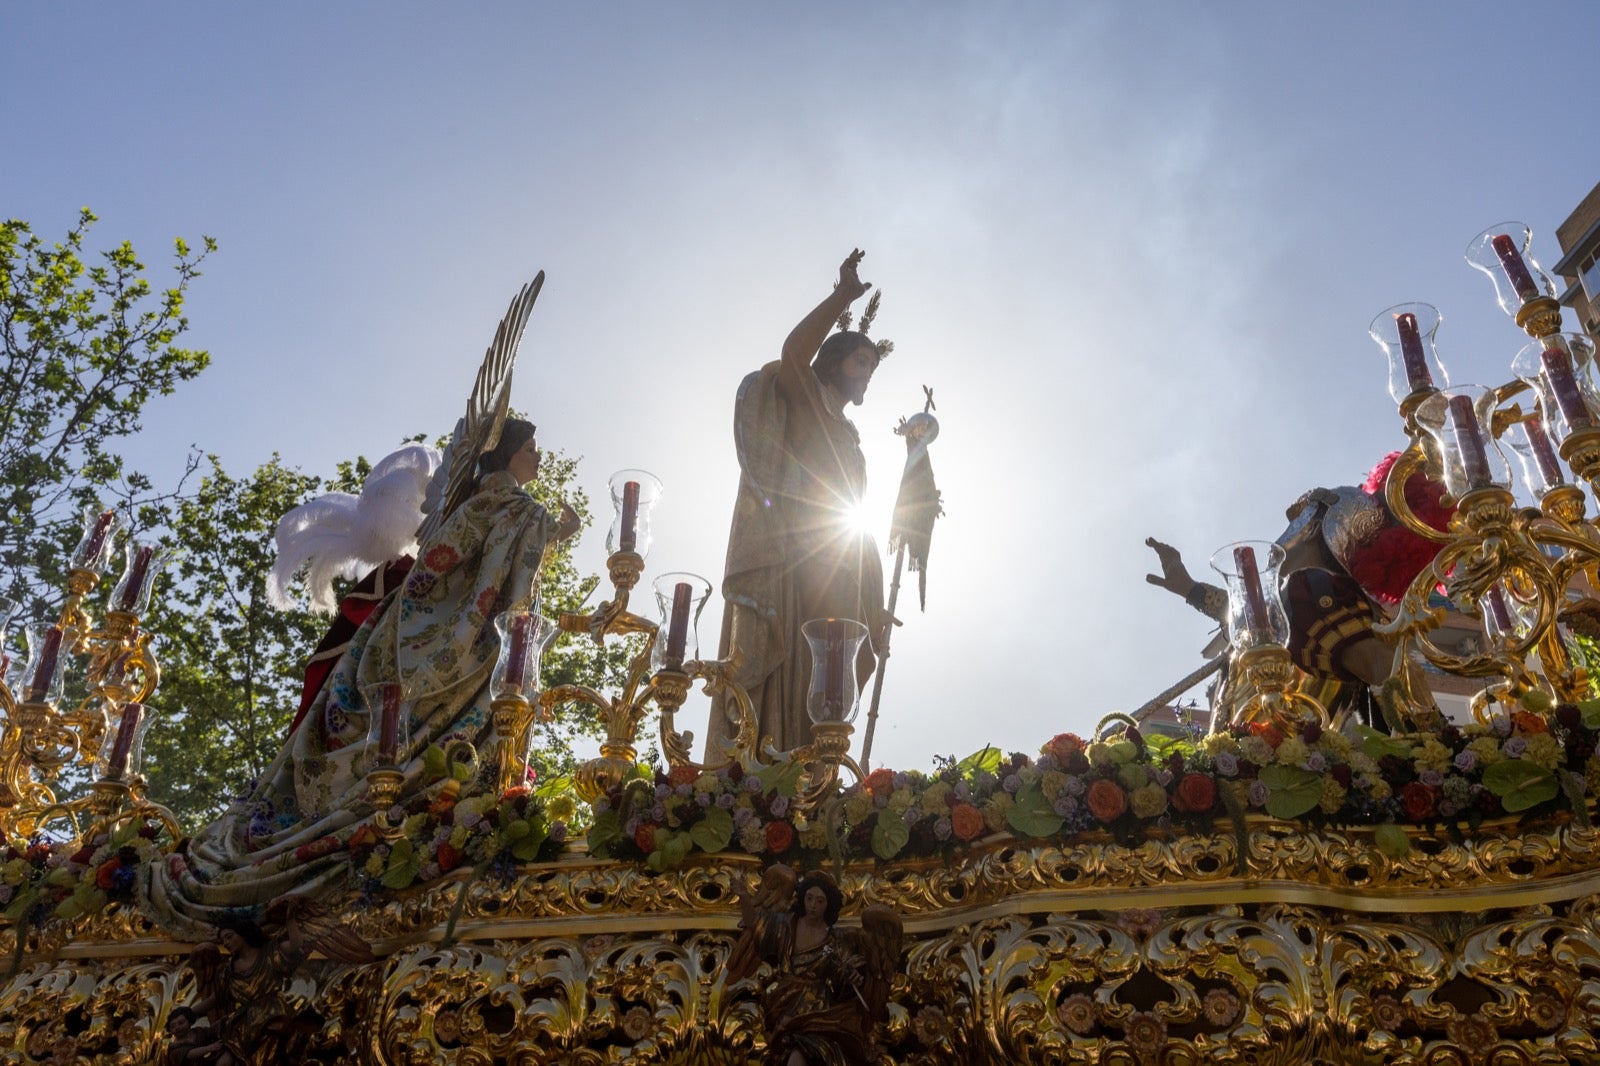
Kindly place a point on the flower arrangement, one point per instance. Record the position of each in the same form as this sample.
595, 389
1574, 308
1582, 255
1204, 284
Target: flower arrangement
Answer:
42, 880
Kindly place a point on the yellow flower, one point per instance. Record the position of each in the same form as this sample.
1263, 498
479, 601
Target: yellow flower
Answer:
1124, 751
1148, 801
706, 783
1052, 783
932, 801
1591, 775
1293, 752
1362, 763
1432, 756
1488, 751
14, 872
900, 800
1133, 776
814, 837
1099, 754
994, 811
374, 866
1381, 789
1256, 750
1544, 751
561, 807
1332, 796
458, 836
858, 808
1217, 743
1335, 744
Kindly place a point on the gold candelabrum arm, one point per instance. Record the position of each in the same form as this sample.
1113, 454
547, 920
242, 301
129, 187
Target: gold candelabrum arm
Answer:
671, 688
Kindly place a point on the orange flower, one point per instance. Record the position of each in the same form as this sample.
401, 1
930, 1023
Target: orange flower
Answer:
1196, 794
1528, 722
965, 821
1269, 733
779, 836
449, 857
1106, 800
645, 837
362, 837
1064, 744
105, 872
881, 781
683, 775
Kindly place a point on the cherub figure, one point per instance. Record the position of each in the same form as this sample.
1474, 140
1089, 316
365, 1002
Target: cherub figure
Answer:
828, 988
243, 977
189, 1044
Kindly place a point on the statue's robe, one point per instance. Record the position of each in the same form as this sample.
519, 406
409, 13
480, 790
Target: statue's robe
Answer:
794, 550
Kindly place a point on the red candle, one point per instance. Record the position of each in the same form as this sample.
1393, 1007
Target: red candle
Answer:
133, 584
389, 725
678, 627
96, 539
1255, 603
1564, 386
45, 668
517, 652
1497, 608
1411, 353
122, 747
1516, 270
1469, 441
833, 672
630, 517
1544, 454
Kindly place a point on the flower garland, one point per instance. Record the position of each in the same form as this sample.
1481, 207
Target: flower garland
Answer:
41, 880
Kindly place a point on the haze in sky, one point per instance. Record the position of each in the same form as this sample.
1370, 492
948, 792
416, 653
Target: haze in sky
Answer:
1133, 249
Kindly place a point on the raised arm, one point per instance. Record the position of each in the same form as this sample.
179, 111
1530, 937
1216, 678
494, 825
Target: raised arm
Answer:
807, 337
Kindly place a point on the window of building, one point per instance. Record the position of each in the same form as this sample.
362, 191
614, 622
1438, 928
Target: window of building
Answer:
1590, 276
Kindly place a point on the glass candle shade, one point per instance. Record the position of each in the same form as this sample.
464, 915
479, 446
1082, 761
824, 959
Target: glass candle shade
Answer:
143, 561
122, 751
1457, 420
834, 642
100, 528
1405, 332
524, 636
8, 611
1501, 252
681, 597
1559, 367
388, 721
42, 677
1506, 619
633, 494
1536, 455
1255, 608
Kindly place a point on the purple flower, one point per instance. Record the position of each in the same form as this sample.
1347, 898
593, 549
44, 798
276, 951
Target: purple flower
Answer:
630, 827
1227, 763
1515, 747
429, 871
558, 832
704, 798
961, 791
1162, 777
1258, 793
663, 791
468, 818
601, 805
1012, 784
1316, 762
5, 893
658, 813
1501, 725
900, 779
752, 784
942, 828
742, 816
1432, 778
1466, 760
725, 801
880, 801
911, 816
683, 791
1075, 786
381, 851
1048, 762
1065, 805
779, 806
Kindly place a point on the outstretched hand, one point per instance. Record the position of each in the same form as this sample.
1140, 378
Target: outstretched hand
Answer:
1174, 575
850, 285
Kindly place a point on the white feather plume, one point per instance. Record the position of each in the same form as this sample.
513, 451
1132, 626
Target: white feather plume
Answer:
339, 535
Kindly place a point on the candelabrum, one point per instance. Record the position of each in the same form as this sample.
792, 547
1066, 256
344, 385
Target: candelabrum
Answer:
42, 735
1520, 571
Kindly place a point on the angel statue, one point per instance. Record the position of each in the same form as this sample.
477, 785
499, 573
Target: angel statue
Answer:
480, 540
242, 982
828, 988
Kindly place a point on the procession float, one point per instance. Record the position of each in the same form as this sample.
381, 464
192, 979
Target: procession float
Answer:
1324, 868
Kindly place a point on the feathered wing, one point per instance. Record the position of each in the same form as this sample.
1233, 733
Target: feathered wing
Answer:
313, 927
340, 535
774, 894
479, 429
881, 936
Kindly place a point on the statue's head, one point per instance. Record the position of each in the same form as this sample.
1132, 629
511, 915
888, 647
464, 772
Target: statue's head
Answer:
846, 361
515, 452
830, 890
233, 932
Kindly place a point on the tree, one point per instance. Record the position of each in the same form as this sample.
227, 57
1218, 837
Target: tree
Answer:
86, 347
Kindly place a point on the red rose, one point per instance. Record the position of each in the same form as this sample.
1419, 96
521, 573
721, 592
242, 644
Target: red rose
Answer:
83, 856
1106, 800
1417, 800
1341, 773
1529, 723
683, 775
1064, 745
441, 559
645, 837
1197, 793
965, 821
779, 836
881, 781
106, 871
449, 857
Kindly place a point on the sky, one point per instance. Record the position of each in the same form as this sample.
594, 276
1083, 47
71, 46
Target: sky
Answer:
1133, 249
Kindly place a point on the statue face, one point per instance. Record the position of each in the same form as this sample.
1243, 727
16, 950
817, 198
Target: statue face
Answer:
816, 902
524, 462
230, 939
855, 372
178, 1025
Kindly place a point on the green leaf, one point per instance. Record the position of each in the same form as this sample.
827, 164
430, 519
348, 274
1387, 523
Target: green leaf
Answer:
404, 865
1520, 784
986, 759
889, 836
1293, 791
1376, 745
713, 832
1392, 840
434, 761
1032, 815
605, 835
782, 777
515, 831
1591, 713
526, 849
671, 849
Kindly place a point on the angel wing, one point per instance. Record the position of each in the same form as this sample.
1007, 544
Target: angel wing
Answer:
479, 429
310, 926
775, 894
879, 941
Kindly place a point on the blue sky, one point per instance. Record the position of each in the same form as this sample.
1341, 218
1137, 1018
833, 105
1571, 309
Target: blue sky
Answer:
1133, 248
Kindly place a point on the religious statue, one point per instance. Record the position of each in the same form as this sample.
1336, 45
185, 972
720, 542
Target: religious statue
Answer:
795, 550
479, 553
828, 988
1347, 560
241, 982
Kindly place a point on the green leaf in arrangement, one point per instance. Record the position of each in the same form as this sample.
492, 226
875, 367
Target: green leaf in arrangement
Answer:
404, 865
714, 831
1520, 784
1392, 840
889, 836
1032, 814
987, 759
1292, 791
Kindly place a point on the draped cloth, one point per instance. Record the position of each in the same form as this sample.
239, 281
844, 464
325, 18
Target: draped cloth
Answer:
794, 552
435, 635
